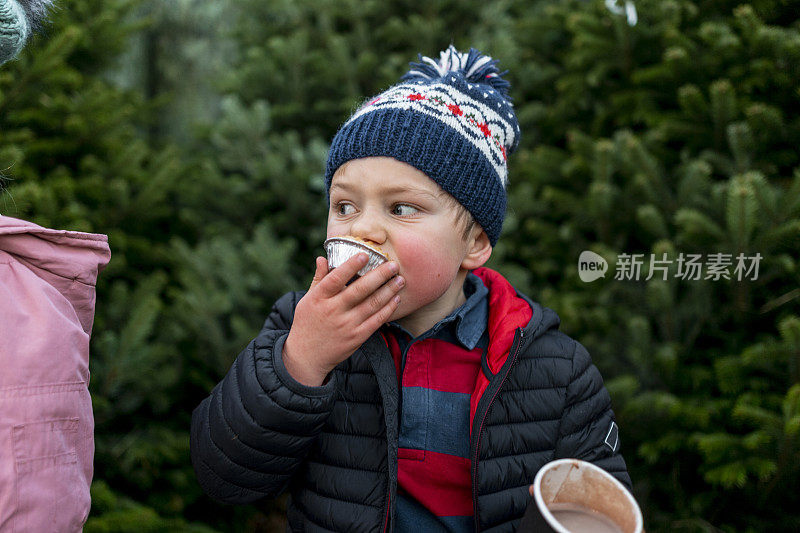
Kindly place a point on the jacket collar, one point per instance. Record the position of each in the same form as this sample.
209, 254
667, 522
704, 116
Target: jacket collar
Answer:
509, 312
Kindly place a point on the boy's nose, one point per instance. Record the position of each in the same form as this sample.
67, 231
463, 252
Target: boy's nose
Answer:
368, 228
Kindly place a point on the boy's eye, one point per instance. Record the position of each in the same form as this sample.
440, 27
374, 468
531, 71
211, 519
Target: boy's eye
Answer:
344, 209
403, 210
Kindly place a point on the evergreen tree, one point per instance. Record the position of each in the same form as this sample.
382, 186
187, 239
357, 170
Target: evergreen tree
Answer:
673, 136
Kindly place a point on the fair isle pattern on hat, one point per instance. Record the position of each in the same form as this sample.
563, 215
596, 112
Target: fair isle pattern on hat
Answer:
475, 121
451, 119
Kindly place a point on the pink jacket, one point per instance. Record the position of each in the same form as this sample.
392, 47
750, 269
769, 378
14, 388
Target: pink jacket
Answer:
47, 297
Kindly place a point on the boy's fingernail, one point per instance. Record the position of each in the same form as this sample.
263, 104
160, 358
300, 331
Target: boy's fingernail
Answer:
362, 257
400, 281
393, 268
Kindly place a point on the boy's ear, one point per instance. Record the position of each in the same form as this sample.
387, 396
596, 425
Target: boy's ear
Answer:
479, 250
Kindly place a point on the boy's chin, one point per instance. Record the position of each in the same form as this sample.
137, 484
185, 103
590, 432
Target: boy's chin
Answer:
398, 314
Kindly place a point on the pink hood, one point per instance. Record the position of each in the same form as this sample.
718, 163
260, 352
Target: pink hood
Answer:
47, 298
69, 261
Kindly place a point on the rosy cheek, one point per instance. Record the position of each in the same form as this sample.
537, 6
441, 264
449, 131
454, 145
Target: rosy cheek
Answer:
425, 267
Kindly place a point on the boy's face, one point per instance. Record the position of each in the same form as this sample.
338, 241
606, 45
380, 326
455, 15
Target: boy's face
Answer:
403, 212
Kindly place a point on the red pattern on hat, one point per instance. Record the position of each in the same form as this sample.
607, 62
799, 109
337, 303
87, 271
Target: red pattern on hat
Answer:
455, 110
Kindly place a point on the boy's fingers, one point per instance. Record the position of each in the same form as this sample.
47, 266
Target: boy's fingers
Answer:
366, 287
320, 272
335, 281
379, 298
378, 319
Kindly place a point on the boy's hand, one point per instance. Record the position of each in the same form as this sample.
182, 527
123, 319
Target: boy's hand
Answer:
333, 319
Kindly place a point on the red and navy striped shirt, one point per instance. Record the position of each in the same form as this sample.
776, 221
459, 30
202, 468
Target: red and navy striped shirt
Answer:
437, 373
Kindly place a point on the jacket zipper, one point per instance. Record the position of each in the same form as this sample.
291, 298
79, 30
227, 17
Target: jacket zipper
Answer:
388, 506
480, 428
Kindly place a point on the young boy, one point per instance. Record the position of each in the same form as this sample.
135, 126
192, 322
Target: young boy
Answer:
426, 394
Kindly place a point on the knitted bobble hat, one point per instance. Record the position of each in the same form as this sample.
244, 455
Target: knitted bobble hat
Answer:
451, 119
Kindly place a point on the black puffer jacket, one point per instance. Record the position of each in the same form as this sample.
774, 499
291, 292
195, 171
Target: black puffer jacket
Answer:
335, 446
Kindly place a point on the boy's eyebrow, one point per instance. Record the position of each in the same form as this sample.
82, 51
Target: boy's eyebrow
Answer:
388, 190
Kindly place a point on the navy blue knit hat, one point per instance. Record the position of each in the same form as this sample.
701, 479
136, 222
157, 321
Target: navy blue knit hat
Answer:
452, 120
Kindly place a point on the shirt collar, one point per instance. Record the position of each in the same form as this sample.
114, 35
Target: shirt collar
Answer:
470, 319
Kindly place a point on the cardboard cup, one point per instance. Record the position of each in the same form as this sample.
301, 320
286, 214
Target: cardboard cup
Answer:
572, 496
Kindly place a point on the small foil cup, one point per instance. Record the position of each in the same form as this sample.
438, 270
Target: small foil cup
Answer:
574, 496
340, 249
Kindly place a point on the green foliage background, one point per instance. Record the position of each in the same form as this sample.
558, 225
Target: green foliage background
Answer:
194, 134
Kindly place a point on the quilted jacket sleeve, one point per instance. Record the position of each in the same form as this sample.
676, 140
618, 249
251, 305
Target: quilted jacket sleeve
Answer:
588, 430
257, 426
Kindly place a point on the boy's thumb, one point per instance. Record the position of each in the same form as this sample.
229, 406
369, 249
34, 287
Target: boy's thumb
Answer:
320, 272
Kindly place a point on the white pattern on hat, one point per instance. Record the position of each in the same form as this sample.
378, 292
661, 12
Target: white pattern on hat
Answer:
502, 131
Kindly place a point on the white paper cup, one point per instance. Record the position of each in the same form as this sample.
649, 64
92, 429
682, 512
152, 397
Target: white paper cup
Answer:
573, 496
